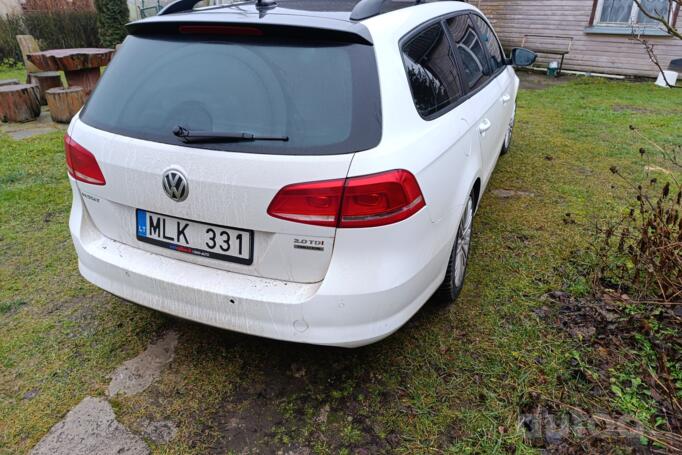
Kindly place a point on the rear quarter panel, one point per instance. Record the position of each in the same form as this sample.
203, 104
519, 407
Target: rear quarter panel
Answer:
444, 153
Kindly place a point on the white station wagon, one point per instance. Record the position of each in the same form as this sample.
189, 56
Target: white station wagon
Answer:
301, 170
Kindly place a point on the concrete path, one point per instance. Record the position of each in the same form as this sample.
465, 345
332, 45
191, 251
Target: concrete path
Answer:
92, 428
137, 374
42, 125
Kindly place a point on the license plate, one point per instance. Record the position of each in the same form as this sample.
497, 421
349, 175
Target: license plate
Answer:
193, 237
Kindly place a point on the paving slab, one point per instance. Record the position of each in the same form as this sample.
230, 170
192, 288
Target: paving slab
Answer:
42, 125
135, 375
30, 132
90, 428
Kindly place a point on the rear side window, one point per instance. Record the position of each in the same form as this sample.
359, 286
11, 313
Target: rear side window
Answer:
323, 96
491, 43
472, 55
431, 71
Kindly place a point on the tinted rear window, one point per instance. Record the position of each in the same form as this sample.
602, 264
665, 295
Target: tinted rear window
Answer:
431, 71
324, 97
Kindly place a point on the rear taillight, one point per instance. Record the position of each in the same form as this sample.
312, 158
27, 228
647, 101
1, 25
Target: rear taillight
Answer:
379, 199
310, 203
356, 202
82, 164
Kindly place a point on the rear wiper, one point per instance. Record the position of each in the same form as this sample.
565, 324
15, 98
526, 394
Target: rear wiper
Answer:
196, 137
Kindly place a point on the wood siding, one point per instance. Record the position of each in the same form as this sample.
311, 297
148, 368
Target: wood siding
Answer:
9, 7
51, 5
611, 54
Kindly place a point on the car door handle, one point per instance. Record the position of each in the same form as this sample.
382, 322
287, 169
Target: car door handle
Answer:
506, 99
484, 126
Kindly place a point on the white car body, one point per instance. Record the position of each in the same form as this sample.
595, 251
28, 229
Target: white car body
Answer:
365, 283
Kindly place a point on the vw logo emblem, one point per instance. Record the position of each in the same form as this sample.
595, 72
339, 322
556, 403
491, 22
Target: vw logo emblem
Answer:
175, 185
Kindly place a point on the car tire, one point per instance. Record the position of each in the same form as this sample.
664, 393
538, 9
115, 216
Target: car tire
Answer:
459, 257
508, 136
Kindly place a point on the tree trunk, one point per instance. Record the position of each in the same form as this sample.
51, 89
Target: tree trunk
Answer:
19, 103
45, 81
64, 103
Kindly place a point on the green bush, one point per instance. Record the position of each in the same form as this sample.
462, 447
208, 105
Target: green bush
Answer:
55, 29
112, 16
63, 29
10, 26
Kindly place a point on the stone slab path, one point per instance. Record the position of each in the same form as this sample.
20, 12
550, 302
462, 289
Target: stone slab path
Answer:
42, 125
91, 427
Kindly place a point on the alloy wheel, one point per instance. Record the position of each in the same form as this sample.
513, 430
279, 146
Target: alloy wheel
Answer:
463, 243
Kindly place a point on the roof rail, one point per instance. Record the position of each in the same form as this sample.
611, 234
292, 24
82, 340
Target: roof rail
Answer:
186, 5
365, 9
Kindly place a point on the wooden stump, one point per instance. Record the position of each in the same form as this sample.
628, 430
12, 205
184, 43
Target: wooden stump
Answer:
19, 103
45, 81
4, 82
85, 78
64, 103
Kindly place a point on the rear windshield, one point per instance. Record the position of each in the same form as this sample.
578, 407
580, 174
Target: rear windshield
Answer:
324, 96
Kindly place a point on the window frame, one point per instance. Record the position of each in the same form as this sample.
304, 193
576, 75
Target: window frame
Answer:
598, 8
467, 92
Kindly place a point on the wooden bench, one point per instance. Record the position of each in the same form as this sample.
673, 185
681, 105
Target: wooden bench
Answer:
64, 103
19, 103
550, 45
28, 44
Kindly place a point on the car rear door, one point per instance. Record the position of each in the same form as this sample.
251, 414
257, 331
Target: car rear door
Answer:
478, 78
502, 73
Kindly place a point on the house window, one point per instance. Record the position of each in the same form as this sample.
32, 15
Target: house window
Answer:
626, 12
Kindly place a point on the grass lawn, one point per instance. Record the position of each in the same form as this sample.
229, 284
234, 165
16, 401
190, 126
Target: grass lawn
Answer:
455, 379
18, 73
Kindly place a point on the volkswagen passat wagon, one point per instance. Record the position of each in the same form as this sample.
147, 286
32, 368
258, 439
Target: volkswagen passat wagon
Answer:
305, 171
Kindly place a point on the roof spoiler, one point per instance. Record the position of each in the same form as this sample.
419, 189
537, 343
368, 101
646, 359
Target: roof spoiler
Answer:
362, 10
171, 21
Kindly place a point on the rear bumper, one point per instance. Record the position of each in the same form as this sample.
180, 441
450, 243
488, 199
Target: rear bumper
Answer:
371, 288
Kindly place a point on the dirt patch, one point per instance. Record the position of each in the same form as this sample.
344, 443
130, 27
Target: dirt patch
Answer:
633, 352
89, 428
539, 81
506, 194
290, 409
633, 109
137, 374
161, 432
248, 421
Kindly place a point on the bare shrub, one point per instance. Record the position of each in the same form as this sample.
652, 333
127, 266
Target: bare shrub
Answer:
641, 252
